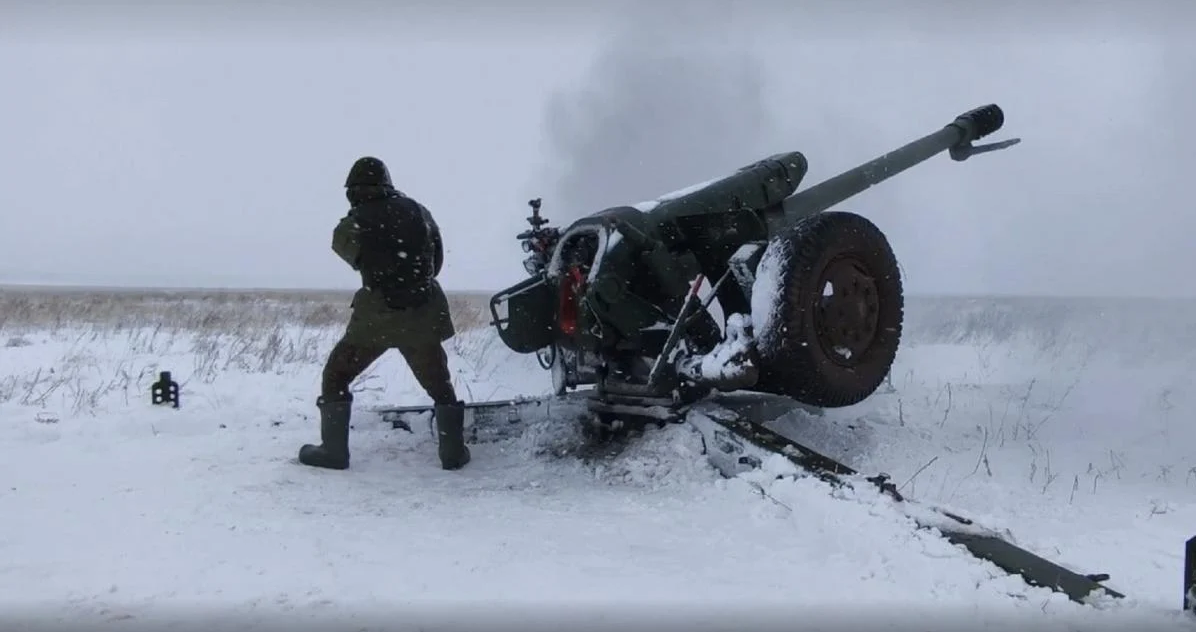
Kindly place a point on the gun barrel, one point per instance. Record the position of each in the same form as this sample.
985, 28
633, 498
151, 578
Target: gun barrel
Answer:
761, 184
966, 127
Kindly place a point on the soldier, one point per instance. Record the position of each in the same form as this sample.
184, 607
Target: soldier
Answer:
394, 243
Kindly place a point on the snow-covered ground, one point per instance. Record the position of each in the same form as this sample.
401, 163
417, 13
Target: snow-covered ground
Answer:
1069, 426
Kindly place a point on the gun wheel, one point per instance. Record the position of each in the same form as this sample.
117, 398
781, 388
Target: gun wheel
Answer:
563, 370
834, 294
560, 377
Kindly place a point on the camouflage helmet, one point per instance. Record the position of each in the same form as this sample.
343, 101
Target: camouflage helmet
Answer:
368, 171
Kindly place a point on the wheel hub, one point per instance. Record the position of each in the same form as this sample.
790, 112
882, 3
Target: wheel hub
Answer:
847, 311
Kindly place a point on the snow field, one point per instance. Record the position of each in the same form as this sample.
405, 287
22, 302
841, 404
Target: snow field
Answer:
118, 511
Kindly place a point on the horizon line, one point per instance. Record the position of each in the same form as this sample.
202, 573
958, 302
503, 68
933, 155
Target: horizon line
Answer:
18, 287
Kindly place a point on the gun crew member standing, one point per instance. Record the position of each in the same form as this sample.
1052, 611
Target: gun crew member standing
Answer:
394, 243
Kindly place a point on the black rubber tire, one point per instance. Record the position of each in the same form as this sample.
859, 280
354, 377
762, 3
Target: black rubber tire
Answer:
795, 360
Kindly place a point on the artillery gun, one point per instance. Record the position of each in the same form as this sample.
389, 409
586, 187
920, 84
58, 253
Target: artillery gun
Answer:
813, 307
812, 298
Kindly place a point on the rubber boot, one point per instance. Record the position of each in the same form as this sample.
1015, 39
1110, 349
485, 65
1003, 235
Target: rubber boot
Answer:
450, 427
333, 451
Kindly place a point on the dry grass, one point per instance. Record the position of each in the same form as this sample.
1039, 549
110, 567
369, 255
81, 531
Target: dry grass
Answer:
108, 343
24, 310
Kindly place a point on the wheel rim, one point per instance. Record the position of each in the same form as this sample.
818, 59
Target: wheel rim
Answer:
846, 310
547, 356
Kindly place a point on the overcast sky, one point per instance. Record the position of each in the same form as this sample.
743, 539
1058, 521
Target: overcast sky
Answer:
191, 146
